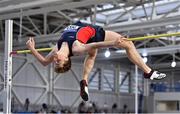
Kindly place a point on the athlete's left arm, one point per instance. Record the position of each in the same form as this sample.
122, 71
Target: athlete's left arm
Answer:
97, 45
79, 48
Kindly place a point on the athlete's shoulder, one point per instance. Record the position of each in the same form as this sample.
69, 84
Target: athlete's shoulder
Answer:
79, 23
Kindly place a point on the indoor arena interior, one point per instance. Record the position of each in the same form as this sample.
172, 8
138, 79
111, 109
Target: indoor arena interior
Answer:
90, 56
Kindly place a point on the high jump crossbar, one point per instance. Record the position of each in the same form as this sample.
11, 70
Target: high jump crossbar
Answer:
130, 39
154, 36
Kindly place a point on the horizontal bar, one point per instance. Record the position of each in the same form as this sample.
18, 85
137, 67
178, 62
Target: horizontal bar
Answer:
130, 39
29, 51
154, 36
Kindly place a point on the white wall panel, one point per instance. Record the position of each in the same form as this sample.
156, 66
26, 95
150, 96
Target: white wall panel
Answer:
32, 93
66, 80
67, 97
32, 80
29, 76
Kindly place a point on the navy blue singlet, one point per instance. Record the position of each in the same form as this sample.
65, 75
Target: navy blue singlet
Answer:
70, 32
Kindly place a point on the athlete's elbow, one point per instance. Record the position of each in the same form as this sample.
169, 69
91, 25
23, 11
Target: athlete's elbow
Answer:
44, 63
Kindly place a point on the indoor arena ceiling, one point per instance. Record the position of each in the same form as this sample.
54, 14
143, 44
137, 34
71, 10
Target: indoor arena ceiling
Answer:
45, 19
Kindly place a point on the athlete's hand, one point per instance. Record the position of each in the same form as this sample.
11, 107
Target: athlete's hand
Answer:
30, 43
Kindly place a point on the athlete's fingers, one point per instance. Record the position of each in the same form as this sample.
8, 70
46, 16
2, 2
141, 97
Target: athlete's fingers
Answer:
32, 39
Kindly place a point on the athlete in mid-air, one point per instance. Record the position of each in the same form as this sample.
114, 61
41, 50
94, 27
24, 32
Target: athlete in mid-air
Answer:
80, 38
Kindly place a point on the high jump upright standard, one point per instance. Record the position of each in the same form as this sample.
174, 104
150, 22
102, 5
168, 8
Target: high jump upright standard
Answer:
8, 66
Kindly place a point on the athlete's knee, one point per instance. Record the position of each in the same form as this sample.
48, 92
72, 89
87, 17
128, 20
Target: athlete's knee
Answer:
92, 54
130, 43
124, 43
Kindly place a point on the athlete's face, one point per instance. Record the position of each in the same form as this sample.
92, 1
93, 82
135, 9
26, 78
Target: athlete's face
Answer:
60, 59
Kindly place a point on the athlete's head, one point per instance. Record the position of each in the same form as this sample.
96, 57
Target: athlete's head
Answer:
62, 63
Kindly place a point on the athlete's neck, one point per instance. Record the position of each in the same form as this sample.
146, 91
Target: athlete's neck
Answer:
64, 49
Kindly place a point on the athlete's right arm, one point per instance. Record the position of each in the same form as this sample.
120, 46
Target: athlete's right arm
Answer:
43, 60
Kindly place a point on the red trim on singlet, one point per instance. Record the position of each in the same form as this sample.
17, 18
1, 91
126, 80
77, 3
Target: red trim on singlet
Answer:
85, 33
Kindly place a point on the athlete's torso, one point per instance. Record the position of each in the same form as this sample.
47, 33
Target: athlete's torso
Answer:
69, 34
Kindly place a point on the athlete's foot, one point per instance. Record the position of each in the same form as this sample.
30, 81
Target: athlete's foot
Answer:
155, 75
84, 90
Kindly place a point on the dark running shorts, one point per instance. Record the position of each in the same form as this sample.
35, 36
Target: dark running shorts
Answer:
89, 34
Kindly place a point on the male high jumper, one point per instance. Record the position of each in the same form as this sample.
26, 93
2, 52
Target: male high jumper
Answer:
80, 38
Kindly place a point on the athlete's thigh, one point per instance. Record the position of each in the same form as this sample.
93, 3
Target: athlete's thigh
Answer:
110, 36
113, 36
